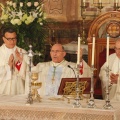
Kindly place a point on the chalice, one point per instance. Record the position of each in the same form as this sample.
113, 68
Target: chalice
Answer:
35, 85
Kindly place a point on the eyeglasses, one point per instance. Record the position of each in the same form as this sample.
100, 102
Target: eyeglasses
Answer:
118, 49
56, 51
10, 39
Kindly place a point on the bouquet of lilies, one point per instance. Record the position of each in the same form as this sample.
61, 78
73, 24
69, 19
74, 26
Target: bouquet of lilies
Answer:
18, 13
29, 19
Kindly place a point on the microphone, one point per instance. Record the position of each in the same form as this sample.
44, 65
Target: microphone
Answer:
72, 70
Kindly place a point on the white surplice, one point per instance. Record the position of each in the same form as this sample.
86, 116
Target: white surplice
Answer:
12, 82
46, 70
114, 66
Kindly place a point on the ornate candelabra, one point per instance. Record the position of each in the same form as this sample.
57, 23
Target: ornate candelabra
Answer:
100, 6
107, 104
116, 6
30, 55
77, 99
83, 6
84, 40
91, 103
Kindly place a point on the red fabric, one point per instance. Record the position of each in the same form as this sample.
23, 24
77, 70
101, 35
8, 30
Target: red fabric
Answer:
81, 68
18, 65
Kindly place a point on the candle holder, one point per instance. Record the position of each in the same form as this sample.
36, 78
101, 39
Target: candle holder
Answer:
30, 55
107, 104
83, 6
116, 6
99, 6
77, 99
91, 103
83, 38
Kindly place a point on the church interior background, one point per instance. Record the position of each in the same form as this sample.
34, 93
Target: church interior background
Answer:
72, 17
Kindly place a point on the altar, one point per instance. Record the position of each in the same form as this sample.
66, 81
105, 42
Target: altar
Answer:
15, 108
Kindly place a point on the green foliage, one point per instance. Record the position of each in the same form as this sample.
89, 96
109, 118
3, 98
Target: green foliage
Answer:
28, 18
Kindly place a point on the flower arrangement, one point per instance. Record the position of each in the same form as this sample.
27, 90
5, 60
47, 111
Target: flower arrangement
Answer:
29, 20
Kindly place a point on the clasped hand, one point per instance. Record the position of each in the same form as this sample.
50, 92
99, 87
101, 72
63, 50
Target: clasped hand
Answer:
114, 78
18, 56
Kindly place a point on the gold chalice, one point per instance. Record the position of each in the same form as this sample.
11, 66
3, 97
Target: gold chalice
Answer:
35, 85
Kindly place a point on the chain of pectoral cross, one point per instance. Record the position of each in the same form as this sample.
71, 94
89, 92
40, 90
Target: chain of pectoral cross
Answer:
53, 77
54, 71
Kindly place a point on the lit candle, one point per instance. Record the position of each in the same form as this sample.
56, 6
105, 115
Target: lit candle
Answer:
93, 49
78, 53
107, 52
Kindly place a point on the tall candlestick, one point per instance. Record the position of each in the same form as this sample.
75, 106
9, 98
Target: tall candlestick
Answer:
78, 53
93, 49
107, 52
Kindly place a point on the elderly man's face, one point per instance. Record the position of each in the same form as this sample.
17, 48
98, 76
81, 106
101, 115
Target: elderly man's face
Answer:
117, 48
57, 53
10, 39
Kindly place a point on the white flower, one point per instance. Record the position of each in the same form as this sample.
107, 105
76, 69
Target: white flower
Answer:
21, 4
4, 17
16, 21
24, 17
7, 2
14, 5
41, 23
34, 14
29, 20
29, 4
36, 4
18, 14
10, 3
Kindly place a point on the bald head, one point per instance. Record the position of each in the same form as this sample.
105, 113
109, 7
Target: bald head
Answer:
57, 53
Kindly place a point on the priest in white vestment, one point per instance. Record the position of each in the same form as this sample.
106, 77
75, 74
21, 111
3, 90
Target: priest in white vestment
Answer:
51, 73
13, 65
114, 74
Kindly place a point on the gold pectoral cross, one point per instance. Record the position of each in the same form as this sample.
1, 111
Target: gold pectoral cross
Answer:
53, 77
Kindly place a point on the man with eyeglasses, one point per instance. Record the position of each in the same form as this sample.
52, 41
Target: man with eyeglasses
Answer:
114, 74
51, 73
13, 65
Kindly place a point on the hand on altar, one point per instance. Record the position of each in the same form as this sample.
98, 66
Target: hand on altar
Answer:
19, 56
114, 78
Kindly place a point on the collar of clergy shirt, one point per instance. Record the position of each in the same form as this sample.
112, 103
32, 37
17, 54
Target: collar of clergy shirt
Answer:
56, 64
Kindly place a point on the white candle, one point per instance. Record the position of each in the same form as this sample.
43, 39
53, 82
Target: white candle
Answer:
78, 53
116, 1
84, 1
100, 1
93, 50
107, 52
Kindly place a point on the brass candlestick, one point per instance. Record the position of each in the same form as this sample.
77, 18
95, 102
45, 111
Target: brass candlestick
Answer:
100, 6
116, 6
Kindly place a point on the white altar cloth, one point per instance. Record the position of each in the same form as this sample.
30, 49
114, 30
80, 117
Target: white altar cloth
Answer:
14, 108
